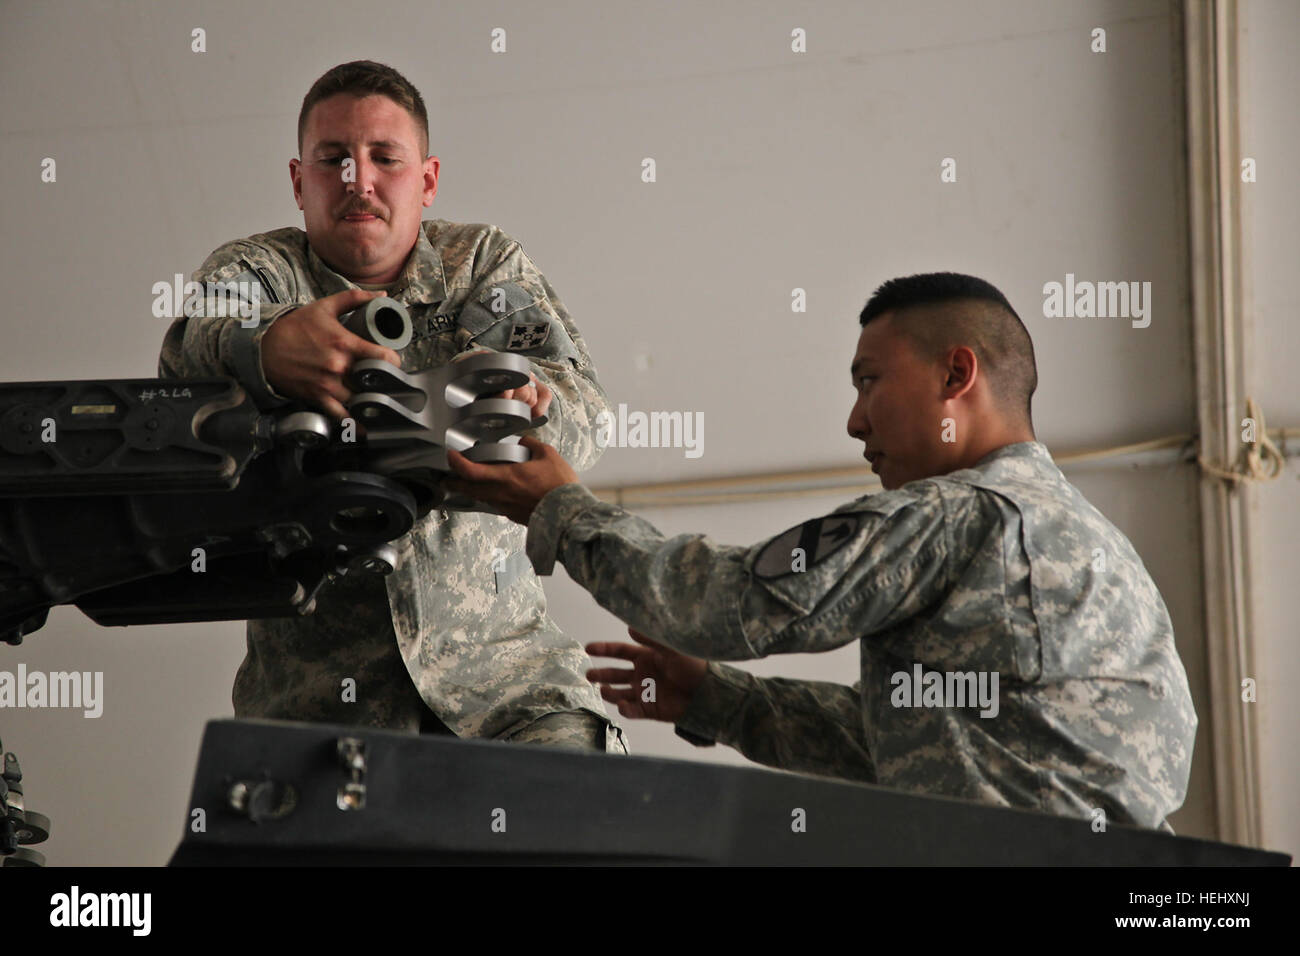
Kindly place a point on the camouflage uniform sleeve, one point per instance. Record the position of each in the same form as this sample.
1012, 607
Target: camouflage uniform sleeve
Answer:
513, 306
198, 345
868, 566
805, 726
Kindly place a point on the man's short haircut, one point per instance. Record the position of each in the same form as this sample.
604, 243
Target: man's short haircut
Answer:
367, 78
973, 313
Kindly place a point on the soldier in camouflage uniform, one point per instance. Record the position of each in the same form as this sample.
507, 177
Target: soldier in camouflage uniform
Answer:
457, 638
978, 558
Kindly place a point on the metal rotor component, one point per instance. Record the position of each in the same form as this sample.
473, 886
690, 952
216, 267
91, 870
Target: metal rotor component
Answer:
35, 828
358, 509
378, 560
13, 803
24, 857
411, 419
383, 321
487, 373
285, 538
399, 461
304, 429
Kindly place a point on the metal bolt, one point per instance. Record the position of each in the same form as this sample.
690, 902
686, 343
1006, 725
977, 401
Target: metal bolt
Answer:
352, 796
238, 796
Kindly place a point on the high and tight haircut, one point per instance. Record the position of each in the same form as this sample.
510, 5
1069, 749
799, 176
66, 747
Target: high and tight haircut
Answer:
366, 78
939, 310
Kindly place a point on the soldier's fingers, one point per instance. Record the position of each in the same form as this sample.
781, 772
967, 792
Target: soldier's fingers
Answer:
538, 448
333, 408
522, 394
611, 675
359, 348
369, 350
341, 303
333, 388
647, 641
469, 470
544, 397
616, 694
627, 652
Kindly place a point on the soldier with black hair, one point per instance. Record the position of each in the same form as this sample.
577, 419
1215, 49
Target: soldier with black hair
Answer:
979, 567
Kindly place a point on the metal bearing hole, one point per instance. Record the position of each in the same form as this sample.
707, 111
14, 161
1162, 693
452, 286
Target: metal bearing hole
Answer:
388, 323
362, 520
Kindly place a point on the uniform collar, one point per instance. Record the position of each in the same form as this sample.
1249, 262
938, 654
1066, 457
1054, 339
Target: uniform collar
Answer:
421, 283
1020, 449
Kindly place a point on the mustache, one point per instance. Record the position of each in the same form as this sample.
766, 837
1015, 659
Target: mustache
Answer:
360, 210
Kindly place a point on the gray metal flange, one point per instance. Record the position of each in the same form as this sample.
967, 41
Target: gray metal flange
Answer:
411, 419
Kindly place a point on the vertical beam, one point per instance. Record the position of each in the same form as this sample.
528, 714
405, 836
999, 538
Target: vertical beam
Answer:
1220, 341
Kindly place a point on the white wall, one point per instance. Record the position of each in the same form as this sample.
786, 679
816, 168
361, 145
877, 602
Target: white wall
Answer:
775, 171
1270, 77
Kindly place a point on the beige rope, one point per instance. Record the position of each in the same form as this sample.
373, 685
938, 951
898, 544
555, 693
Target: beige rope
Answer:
1264, 461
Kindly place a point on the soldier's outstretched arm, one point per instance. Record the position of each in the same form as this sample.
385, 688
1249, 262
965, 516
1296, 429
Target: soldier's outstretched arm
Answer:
860, 570
801, 725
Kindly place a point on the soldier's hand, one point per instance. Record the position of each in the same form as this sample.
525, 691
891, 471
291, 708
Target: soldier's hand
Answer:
536, 395
673, 678
513, 489
306, 352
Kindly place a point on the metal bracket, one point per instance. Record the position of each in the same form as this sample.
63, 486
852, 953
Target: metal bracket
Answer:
411, 419
352, 758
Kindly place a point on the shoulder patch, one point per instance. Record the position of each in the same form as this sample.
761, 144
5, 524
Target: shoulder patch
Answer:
505, 298
818, 539
528, 334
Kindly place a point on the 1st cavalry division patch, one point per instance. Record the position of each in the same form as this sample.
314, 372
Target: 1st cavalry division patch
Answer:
818, 539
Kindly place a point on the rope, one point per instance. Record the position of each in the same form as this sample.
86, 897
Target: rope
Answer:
1264, 462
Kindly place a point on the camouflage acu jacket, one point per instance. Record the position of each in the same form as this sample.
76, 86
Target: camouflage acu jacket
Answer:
461, 625
1003, 569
